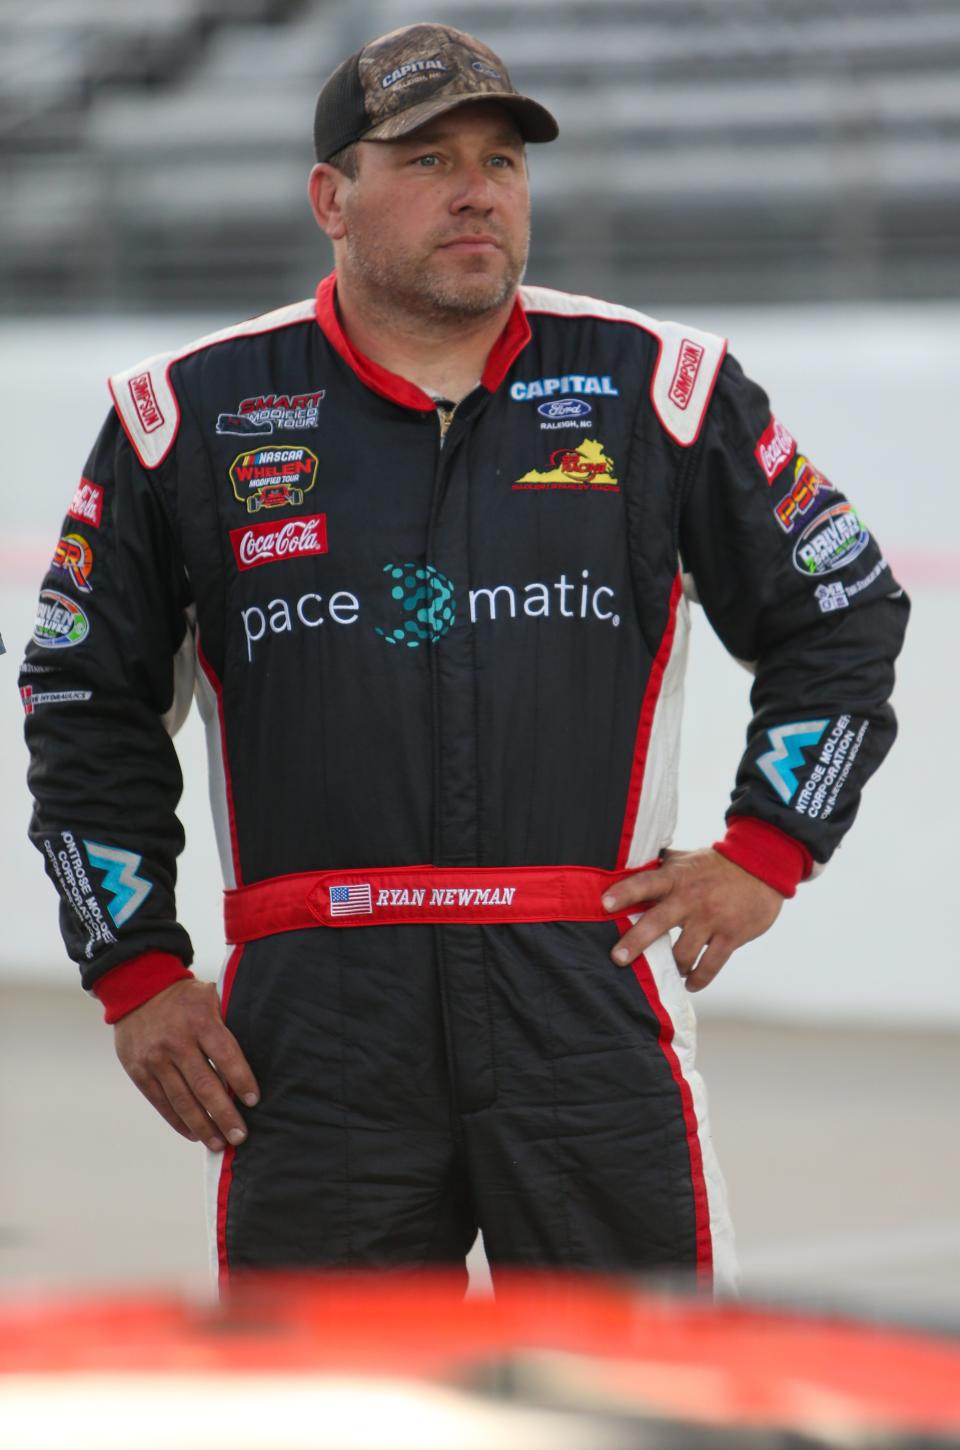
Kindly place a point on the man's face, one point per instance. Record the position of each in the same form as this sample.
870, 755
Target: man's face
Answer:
438, 222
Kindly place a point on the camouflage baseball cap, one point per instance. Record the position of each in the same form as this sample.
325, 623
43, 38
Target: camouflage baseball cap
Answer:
403, 79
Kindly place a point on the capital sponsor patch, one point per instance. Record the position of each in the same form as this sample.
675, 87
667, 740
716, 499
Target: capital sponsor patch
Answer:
564, 413
267, 413
831, 541
73, 556
60, 623
31, 698
838, 749
145, 402
87, 503
590, 384
686, 373
69, 871
412, 70
808, 485
273, 477
585, 467
268, 543
774, 449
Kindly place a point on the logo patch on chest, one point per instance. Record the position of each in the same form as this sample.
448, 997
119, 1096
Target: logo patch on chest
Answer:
585, 467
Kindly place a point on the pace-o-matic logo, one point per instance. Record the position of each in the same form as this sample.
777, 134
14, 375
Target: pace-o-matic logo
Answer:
584, 467
273, 477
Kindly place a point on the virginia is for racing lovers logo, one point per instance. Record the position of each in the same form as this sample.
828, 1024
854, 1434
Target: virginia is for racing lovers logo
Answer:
584, 467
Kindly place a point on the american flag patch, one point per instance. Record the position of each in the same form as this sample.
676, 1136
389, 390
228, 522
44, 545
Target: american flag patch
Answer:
350, 901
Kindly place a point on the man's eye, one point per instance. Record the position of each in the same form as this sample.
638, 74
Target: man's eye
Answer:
504, 161
426, 161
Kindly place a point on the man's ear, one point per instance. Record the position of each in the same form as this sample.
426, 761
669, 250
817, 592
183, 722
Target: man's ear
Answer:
325, 188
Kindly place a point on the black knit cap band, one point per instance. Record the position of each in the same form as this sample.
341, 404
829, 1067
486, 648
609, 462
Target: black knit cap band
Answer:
403, 79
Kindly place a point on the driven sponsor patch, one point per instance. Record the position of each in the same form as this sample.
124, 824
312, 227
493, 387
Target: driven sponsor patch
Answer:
270, 412
273, 477
87, 503
73, 556
61, 623
581, 468
808, 484
269, 543
774, 449
832, 541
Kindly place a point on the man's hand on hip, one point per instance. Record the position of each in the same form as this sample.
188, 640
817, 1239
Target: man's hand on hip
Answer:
717, 905
184, 1059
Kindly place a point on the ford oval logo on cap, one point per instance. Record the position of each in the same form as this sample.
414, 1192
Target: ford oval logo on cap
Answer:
565, 408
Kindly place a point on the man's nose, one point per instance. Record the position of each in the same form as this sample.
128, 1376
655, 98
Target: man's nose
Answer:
474, 191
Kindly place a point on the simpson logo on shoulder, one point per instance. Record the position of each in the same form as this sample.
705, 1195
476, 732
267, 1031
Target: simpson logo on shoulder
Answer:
685, 374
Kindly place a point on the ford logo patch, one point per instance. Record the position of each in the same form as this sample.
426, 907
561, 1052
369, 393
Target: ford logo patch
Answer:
565, 408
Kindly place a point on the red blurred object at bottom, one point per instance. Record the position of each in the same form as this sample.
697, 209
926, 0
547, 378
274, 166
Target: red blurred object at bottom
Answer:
571, 1343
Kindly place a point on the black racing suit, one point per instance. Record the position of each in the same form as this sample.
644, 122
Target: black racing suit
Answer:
435, 641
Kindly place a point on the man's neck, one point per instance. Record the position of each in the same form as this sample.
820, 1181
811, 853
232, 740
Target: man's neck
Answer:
445, 358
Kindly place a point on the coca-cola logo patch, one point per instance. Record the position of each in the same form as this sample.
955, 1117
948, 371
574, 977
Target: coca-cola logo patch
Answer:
774, 449
271, 542
87, 503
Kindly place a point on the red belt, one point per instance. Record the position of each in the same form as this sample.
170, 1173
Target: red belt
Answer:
431, 895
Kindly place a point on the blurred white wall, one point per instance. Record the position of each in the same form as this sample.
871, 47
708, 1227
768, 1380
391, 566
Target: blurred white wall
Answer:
869, 394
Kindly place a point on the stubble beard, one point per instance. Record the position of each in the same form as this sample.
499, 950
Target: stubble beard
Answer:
422, 288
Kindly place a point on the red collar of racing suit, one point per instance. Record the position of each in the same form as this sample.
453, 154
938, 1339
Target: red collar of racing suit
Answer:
511, 342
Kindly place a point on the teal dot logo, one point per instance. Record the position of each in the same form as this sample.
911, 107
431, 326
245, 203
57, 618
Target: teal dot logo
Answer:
426, 602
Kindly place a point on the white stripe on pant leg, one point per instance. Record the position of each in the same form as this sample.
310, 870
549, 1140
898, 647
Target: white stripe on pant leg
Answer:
676, 1003
212, 1167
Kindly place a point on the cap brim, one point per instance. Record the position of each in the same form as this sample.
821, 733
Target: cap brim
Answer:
534, 121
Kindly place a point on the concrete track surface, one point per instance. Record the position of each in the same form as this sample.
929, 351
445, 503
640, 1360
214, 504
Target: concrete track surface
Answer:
839, 1146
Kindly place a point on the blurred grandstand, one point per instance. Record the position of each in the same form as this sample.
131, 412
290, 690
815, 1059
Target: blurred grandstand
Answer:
155, 155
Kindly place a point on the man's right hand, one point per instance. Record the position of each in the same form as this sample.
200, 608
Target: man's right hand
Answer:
183, 1058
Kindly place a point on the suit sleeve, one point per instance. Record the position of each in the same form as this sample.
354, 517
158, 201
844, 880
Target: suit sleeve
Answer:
97, 683
796, 585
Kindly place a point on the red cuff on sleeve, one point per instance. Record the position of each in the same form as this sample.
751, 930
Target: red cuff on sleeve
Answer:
766, 852
134, 982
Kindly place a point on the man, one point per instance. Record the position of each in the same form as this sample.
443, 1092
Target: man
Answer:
424, 539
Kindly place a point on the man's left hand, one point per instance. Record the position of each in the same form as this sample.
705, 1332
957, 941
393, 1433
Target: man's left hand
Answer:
717, 905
